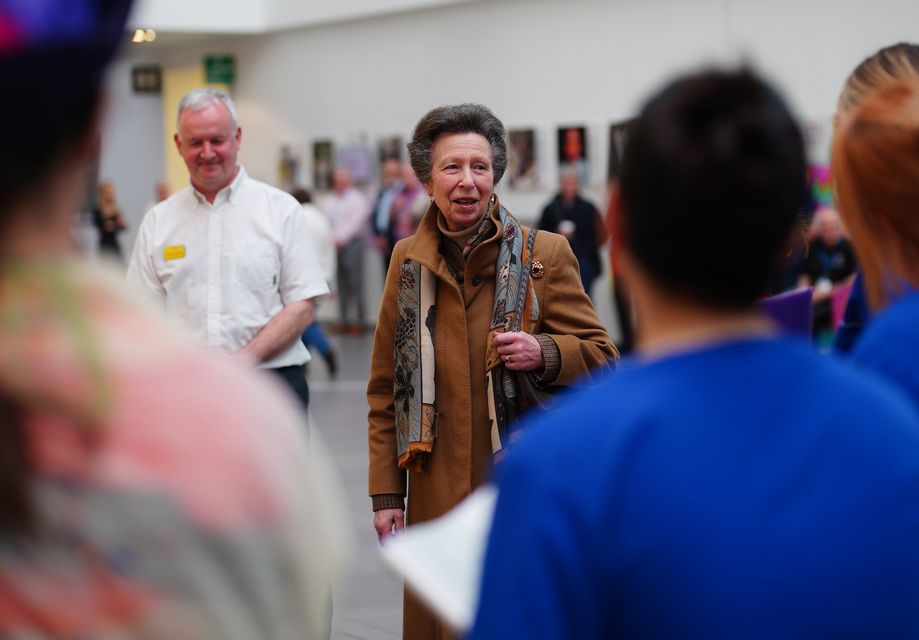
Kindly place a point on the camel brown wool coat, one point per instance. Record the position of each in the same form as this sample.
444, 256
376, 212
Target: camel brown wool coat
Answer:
461, 458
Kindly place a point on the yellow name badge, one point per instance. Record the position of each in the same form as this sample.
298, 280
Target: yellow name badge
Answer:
174, 252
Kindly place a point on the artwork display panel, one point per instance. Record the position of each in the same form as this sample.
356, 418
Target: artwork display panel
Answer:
323, 164
522, 166
288, 168
618, 137
391, 147
357, 160
573, 152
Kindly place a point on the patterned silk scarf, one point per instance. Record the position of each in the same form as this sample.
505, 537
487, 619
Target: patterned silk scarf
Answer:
413, 358
515, 309
413, 365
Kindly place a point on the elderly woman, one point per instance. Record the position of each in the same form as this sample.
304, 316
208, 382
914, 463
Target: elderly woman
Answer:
457, 331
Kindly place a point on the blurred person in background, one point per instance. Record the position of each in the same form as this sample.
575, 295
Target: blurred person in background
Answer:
229, 256
321, 235
347, 211
896, 62
876, 167
161, 190
580, 222
109, 220
147, 489
829, 262
408, 207
729, 482
446, 353
390, 186
160, 193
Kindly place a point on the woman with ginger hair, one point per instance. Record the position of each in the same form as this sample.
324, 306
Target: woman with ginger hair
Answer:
896, 62
876, 167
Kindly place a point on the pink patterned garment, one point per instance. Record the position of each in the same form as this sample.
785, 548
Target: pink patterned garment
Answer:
176, 492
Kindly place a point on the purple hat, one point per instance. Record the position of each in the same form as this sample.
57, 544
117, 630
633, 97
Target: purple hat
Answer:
53, 54
29, 24
77, 38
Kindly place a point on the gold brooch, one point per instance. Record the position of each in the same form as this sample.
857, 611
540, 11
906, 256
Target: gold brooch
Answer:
537, 270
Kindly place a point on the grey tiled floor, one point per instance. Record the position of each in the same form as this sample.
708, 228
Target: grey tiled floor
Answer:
370, 607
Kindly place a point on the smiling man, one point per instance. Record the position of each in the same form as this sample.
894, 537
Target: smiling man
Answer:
228, 255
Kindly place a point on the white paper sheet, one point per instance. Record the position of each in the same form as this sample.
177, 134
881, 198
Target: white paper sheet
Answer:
442, 560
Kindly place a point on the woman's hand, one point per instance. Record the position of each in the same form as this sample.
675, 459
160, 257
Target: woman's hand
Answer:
387, 522
519, 350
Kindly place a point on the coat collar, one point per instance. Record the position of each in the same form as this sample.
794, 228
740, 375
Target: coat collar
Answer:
425, 247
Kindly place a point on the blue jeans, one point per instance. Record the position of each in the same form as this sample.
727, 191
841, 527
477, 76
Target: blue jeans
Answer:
315, 336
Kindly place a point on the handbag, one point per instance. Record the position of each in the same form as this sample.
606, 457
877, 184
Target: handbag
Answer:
530, 394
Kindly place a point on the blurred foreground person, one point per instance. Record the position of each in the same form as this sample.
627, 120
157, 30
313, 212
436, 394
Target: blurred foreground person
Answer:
896, 62
728, 483
461, 330
147, 489
876, 167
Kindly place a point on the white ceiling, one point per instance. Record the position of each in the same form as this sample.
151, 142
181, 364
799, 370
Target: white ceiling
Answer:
261, 16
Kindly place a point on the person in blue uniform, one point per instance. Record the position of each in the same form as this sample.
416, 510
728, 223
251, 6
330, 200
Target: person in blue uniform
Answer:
876, 154
727, 482
898, 61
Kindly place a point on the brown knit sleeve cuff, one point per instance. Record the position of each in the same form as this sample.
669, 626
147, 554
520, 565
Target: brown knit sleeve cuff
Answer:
388, 501
552, 358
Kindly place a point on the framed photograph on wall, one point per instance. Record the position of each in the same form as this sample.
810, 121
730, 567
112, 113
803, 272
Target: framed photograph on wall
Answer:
572, 151
391, 147
323, 164
288, 168
818, 134
618, 136
356, 159
522, 167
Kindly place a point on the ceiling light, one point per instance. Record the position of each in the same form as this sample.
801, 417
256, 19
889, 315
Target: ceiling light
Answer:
150, 35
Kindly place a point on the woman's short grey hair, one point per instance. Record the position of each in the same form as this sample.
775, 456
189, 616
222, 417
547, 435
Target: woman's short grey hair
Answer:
461, 118
199, 99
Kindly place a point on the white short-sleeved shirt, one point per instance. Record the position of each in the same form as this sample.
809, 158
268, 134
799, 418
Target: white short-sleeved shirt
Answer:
225, 269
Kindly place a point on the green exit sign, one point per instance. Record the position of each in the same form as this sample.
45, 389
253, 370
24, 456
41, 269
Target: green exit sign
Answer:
219, 69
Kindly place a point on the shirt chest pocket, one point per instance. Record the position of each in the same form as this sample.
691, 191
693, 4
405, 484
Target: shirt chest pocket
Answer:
257, 266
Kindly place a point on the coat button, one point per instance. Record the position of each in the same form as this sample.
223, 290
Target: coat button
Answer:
476, 281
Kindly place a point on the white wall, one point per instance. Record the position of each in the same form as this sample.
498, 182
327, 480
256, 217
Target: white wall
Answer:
536, 63
541, 63
200, 16
810, 46
287, 14
258, 16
